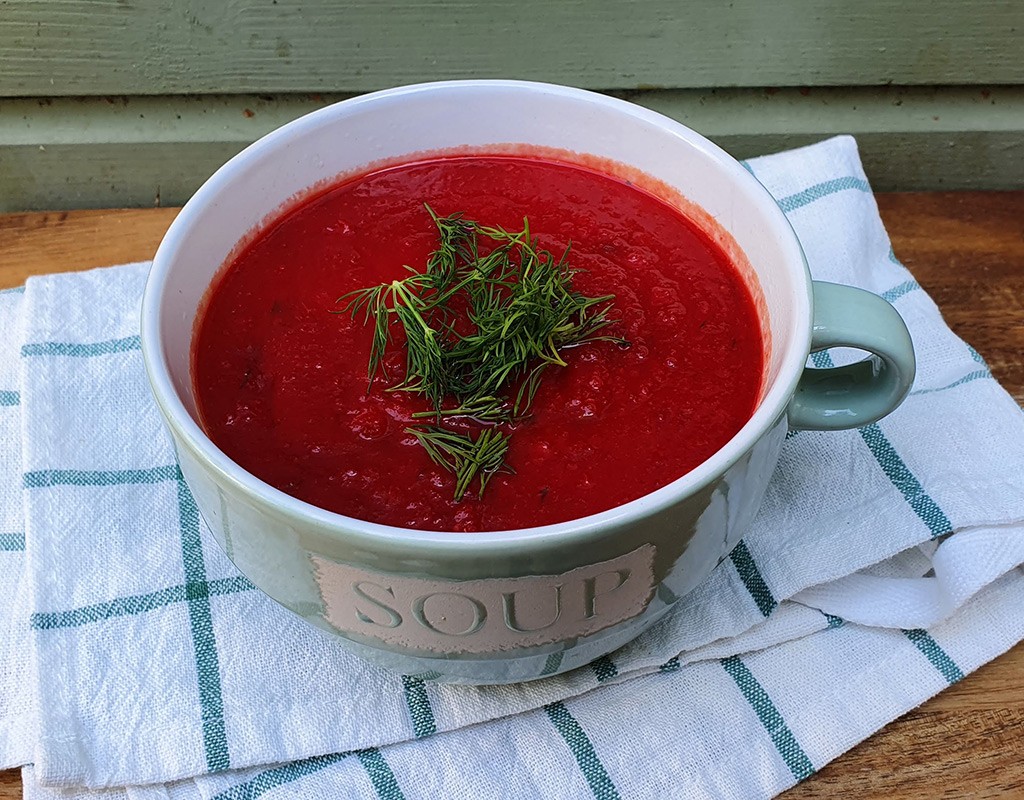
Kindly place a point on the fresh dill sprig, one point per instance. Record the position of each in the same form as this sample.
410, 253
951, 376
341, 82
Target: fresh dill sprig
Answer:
401, 299
490, 313
482, 409
468, 458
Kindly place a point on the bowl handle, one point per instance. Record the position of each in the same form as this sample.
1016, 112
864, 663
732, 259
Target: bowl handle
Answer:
837, 398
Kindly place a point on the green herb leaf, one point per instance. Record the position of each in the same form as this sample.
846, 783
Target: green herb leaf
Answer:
490, 313
468, 458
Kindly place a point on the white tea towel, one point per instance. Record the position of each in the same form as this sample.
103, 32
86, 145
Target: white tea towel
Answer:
739, 727
155, 661
16, 716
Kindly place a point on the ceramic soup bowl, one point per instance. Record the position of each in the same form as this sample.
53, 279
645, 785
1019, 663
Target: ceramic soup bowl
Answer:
512, 605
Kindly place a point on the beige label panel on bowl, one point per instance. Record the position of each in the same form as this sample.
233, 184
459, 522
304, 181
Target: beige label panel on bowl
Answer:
482, 616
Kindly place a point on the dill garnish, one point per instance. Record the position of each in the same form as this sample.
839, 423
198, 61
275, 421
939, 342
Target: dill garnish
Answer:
466, 457
490, 313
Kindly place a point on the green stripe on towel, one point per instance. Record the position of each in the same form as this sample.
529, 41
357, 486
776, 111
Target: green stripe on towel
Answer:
970, 377
604, 669
197, 593
794, 756
418, 702
672, 665
896, 470
833, 620
122, 477
204, 643
977, 356
897, 292
80, 350
583, 751
752, 579
381, 776
121, 607
902, 478
9, 398
135, 604
12, 542
938, 657
278, 776
820, 190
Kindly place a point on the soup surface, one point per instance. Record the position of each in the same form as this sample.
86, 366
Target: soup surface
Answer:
282, 385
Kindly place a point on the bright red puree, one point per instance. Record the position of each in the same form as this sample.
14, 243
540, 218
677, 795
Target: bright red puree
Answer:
282, 384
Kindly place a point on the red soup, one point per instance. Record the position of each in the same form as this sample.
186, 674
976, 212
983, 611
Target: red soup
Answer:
281, 375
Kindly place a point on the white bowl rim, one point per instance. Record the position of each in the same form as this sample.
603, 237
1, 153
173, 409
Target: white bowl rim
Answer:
577, 531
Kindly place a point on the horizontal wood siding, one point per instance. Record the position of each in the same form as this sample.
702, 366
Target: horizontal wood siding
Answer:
130, 152
159, 47
136, 102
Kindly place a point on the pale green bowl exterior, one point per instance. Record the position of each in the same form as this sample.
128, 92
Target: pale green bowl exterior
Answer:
690, 538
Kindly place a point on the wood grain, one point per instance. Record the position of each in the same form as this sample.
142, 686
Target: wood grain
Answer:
115, 47
967, 250
71, 241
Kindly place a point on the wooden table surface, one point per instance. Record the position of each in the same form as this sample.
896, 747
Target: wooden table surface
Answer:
967, 250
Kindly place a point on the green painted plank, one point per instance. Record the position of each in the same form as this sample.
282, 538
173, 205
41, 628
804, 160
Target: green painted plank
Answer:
93, 47
137, 152
148, 120
120, 152
924, 109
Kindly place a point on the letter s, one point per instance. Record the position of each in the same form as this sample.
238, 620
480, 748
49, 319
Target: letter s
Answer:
394, 618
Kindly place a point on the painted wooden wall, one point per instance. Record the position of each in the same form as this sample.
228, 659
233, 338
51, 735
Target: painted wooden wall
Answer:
135, 102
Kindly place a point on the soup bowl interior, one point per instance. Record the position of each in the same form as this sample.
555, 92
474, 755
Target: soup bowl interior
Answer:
404, 124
